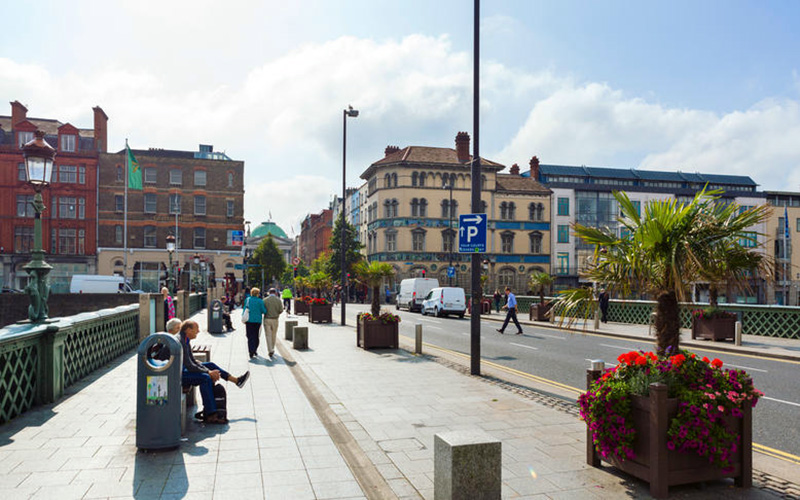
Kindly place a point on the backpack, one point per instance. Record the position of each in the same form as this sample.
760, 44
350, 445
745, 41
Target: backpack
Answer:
221, 400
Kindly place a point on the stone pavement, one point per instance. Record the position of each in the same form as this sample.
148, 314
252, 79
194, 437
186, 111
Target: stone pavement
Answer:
333, 421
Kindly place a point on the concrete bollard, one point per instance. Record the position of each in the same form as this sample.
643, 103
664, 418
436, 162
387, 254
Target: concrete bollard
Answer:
738, 333
466, 464
418, 339
288, 326
300, 337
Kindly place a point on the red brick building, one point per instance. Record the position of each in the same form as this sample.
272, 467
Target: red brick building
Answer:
69, 222
315, 235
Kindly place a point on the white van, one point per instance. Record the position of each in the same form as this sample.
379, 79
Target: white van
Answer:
93, 283
445, 300
413, 291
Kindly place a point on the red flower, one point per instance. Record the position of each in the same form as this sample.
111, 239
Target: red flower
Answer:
706, 360
716, 363
641, 360
677, 360
652, 357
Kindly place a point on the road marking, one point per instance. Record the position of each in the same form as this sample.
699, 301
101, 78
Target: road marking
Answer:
781, 401
616, 347
525, 346
465, 334
747, 368
772, 452
435, 327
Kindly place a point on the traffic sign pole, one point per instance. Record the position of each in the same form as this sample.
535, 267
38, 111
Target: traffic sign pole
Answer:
475, 316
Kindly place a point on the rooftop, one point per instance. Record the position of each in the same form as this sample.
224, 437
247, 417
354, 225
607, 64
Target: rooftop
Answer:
266, 228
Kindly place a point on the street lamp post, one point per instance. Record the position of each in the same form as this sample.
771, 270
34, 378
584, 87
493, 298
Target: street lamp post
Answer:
170, 270
196, 260
450, 231
353, 113
38, 169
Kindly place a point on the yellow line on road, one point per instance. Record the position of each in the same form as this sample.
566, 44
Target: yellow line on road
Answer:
766, 450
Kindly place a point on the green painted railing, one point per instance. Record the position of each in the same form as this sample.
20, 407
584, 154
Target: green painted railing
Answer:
38, 361
197, 301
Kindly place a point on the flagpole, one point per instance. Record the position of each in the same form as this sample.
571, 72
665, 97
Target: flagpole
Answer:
125, 218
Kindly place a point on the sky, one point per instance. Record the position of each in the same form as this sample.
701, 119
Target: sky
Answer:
710, 86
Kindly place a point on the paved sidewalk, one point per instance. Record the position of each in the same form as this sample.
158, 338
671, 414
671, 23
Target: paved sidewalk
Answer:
332, 421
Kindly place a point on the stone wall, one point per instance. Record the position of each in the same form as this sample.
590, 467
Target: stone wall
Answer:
14, 306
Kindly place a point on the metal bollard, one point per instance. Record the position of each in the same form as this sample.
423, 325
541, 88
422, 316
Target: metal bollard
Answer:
418, 339
598, 365
738, 333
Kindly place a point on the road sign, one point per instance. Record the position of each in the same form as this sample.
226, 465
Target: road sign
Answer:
296, 261
237, 238
472, 233
451, 272
238, 267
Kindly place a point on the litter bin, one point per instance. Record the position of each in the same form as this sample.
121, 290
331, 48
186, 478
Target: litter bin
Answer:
215, 317
158, 392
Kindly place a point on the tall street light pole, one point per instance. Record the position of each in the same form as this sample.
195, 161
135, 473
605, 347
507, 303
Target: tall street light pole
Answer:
475, 317
353, 113
450, 231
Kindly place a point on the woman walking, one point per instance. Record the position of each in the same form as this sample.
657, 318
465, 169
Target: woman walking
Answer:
255, 310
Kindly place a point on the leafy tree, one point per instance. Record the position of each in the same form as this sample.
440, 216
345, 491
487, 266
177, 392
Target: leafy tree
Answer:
352, 248
321, 282
540, 280
269, 257
321, 263
372, 274
670, 246
288, 275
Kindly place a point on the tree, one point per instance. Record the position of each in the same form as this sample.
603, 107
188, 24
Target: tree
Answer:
540, 280
668, 248
372, 274
352, 248
269, 258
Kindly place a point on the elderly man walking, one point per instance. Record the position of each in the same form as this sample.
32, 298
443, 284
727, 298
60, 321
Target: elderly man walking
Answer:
274, 309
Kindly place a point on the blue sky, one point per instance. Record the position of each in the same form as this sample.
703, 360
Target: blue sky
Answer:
706, 86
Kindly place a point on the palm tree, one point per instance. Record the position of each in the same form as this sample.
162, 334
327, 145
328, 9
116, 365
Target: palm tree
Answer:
319, 281
542, 281
372, 274
671, 246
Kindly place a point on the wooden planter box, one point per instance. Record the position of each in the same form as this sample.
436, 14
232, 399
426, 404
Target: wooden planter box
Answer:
374, 333
320, 314
538, 312
655, 463
714, 328
300, 307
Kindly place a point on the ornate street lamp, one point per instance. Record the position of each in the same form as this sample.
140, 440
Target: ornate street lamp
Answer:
196, 260
170, 273
38, 170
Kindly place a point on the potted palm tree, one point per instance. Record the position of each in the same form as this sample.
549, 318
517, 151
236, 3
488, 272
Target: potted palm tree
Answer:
376, 328
541, 281
656, 415
301, 300
319, 307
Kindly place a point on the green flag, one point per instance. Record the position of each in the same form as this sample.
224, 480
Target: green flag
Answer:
134, 172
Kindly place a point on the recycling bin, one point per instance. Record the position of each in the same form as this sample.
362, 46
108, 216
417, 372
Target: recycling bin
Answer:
158, 392
215, 317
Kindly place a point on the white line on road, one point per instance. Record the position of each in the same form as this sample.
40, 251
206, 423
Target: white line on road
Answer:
525, 346
435, 327
747, 368
617, 347
781, 401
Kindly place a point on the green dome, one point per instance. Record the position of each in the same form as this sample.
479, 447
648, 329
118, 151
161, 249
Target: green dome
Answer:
268, 228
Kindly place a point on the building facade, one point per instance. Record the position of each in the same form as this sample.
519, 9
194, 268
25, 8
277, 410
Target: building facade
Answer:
585, 195
783, 236
410, 216
315, 235
69, 222
196, 196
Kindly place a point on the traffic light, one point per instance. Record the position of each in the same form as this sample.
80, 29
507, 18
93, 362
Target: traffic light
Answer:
423, 273
294, 271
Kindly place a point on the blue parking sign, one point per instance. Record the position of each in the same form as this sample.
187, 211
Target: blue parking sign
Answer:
472, 233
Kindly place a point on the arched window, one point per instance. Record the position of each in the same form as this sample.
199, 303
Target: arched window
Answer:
422, 177
387, 209
532, 211
445, 181
423, 207
414, 207
230, 179
536, 242
504, 210
448, 240
414, 179
512, 208
387, 181
505, 277
118, 263
539, 212
394, 179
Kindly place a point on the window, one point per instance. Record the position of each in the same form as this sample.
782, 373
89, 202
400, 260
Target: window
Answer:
414, 179
149, 203
81, 208
199, 237
67, 241
422, 177
230, 179
230, 208
82, 174
175, 177
68, 174
199, 205
67, 207
24, 138
150, 175
23, 239
638, 206
199, 177
418, 240
536, 242
449, 208
562, 262
68, 143
507, 242
119, 174
798, 225
536, 212
53, 240
118, 235
506, 277
22, 174
391, 241
149, 236
448, 240
749, 239
563, 206
387, 181
507, 210
423, 207
25, 205
119, 203
563, 234
174, 203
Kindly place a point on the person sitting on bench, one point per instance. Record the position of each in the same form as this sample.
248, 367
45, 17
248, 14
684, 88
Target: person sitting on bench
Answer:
204, 374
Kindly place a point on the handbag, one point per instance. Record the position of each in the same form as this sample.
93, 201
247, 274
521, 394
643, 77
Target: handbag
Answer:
245, 312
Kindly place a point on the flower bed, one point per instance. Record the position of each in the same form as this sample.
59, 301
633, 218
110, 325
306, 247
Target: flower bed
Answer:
301, 306
320, 312
685, 417
382, 331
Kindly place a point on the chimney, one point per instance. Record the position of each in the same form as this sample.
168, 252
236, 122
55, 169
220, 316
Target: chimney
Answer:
100, 129
535, 168
19, 113
462, 147
514, 169
390, 149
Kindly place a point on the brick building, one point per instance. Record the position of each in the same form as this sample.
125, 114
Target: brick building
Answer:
69, 222
315, 235
199, 193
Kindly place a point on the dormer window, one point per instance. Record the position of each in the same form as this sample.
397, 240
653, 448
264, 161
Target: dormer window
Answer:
24, 138
68, 143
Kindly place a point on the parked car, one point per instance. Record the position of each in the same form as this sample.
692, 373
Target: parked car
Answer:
94, 283
445, 300
413, 292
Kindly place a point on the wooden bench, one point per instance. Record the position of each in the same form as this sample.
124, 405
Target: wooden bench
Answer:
202, 353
